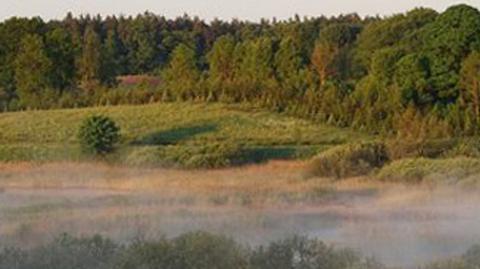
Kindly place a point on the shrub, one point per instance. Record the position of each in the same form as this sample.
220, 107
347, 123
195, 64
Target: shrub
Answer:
98, 135
403, 148
301, 252
419, 169
348, 160
210, 155
64, 252
203, 250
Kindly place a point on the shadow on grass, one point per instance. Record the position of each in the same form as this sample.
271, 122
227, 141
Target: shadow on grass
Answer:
264, 154
174, 136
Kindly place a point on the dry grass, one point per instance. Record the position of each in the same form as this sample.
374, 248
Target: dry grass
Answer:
253, 204
273, 177
276, 181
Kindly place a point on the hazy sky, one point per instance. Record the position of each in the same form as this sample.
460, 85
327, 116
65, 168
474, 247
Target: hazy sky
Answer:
223, 9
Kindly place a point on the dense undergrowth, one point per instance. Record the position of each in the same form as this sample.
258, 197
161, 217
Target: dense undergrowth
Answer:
200, 250
197, 250
435, 161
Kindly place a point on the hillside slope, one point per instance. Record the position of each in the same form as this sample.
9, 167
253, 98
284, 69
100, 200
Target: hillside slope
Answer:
51, 135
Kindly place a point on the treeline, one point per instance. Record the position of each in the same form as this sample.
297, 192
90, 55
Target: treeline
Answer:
414, 75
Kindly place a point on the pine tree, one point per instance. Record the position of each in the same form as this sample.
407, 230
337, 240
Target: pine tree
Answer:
90, 62
111, 58
60, 50
32, 69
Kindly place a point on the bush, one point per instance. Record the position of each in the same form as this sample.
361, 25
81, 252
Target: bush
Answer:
301, 252
348, 160
211, 155
400, 148
98, 135
64, 252
419, 169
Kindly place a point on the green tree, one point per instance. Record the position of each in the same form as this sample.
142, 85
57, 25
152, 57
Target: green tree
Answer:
222, 65
182, 75
90, 63
112, 60
412, 77
254, 74
60, 50
98, 135
470, 83
288, 68
448, 40
399, 30
32, 70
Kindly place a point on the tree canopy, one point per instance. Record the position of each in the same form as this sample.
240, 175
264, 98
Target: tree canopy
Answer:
345, 70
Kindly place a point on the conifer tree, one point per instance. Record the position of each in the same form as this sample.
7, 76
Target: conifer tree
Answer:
32, 69
90, 63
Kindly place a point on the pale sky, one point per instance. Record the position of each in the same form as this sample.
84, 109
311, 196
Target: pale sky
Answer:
222, 9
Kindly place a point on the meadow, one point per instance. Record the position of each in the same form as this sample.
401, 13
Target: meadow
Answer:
173, 133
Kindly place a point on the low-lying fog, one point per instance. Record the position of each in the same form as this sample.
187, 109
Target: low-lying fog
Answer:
399, 226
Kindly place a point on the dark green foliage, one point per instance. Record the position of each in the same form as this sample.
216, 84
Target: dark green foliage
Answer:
412, 79
32, 71
89, 70
60, 50
349, 160
98, 135
448, 40
392, 31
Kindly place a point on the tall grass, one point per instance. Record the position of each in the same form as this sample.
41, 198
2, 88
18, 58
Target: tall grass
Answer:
451, 170
348, 160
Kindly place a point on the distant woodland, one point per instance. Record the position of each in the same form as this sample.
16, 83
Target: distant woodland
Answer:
412, 74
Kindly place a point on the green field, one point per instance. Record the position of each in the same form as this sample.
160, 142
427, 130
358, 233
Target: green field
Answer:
176, 128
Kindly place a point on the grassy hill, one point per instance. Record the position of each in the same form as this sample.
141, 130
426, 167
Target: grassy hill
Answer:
151, 132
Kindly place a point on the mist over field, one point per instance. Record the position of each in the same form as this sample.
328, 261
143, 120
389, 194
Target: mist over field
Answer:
146, 142
398, 225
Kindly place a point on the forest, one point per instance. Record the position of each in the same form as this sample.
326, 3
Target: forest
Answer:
412, 75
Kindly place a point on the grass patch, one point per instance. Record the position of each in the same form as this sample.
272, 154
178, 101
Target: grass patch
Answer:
40, 153
420, 169
348, 160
